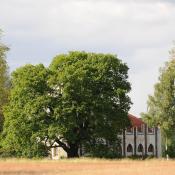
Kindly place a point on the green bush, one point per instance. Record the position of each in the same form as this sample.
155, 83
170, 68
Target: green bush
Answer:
34, 151
102, 150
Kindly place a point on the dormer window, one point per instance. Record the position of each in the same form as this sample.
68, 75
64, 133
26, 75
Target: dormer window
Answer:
129, 130
140, 129
150, 130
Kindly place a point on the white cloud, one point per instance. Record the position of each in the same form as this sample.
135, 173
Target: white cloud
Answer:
139, 31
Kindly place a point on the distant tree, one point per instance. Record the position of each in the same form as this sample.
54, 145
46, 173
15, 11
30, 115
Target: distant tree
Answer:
26, 115
161, 105
93, 102
4, 80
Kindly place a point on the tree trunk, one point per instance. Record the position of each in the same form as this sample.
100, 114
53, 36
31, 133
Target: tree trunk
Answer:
73, 151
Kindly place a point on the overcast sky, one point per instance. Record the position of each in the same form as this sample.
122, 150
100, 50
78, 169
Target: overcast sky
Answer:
140, 32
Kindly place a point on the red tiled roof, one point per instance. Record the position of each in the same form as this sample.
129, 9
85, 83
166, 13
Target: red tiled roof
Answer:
135, 121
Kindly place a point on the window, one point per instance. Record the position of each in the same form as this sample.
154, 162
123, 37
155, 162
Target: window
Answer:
140, 148
129, 130
150, 130
129, 148
151, 148
140, 129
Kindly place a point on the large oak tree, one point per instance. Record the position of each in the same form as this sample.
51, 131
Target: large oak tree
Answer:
81, 97
93, 98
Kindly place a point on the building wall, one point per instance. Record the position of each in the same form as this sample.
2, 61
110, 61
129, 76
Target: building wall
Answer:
57, 152
129, 140
140, 139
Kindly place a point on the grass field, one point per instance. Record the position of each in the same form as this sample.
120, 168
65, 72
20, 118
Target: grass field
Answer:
86, 167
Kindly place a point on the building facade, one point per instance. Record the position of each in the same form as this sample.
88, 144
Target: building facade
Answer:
138, 140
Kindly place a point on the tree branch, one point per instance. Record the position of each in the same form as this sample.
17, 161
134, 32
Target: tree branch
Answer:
61, 144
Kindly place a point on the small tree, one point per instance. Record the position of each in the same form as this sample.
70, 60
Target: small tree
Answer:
161, 106
26, 115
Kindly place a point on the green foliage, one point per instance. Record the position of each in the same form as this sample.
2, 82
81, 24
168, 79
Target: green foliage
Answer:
26, 117
81, 97
170, 151
161, 106
100, 149
4, 80
93, 96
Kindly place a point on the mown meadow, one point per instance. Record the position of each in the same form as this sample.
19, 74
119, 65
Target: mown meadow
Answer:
86, 166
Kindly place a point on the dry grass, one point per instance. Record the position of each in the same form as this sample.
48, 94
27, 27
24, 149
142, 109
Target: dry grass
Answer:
86, 167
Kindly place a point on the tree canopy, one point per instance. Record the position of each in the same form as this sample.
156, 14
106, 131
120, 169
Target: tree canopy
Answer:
26, 116
81, 98
161, 105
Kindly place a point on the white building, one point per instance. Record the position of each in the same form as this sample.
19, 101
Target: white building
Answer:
138, 140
